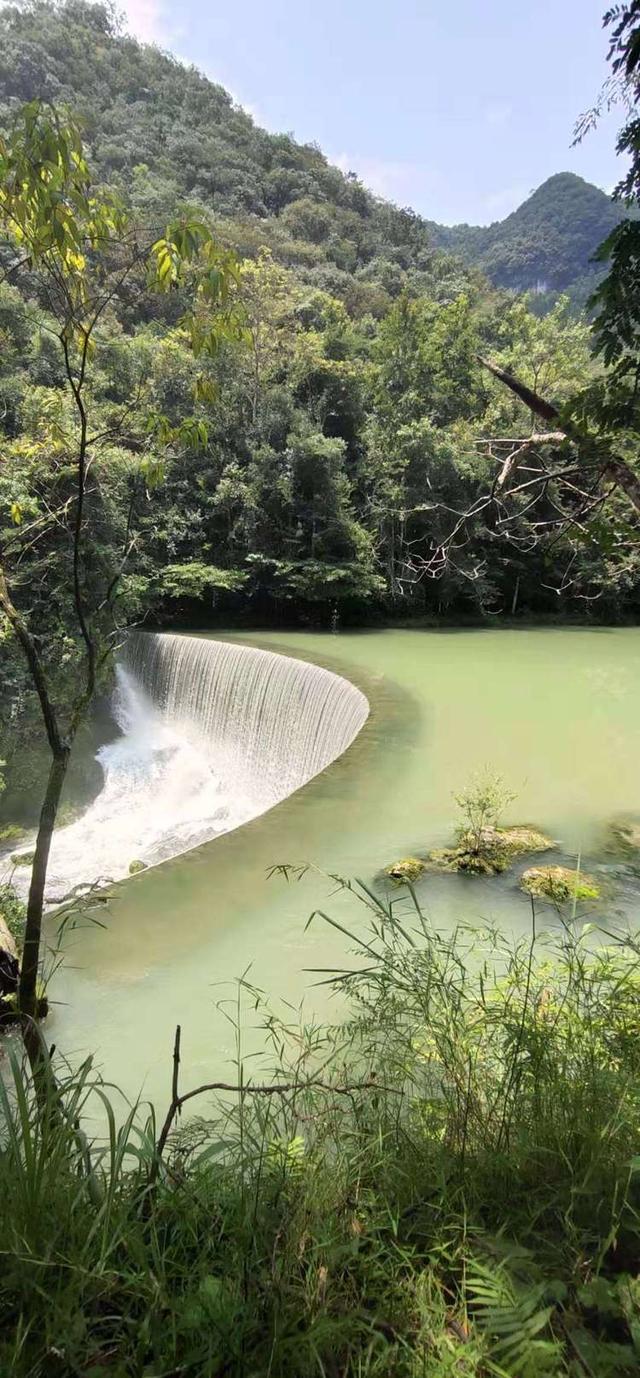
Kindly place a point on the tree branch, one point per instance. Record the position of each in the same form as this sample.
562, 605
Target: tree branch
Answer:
275, 1088
23, 635
593, 449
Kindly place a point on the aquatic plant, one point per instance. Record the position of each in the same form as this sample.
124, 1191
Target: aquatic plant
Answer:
482, 803
13, 912
483, 845
493, 852
11, 832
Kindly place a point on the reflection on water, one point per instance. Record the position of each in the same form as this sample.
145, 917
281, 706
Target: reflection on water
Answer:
556, 711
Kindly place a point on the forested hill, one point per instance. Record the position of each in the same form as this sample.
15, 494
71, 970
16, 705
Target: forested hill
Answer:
546, 245
164, 132
330, 449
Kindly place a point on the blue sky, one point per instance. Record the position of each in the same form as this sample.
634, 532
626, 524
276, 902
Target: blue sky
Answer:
458, 110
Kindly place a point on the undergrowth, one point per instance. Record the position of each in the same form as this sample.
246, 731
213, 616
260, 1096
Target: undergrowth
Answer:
471, 1210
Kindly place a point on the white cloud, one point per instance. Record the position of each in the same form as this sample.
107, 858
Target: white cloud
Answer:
395, 180
153, 22
500, 203
147, 20
245, 105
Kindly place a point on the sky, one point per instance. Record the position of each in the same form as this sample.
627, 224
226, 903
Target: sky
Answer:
457, 110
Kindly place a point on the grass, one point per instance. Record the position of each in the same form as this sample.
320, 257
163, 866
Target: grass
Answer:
472, 1210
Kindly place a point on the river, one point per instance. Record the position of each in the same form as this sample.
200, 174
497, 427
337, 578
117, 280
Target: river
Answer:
554, 710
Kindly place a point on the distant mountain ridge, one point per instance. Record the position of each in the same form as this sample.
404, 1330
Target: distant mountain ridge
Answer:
163, 133
547, 244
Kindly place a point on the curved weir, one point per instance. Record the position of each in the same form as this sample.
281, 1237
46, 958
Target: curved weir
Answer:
270, 722
213, 734
443, 705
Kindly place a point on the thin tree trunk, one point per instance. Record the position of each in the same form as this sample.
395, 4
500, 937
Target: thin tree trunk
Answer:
27, 990
60, 749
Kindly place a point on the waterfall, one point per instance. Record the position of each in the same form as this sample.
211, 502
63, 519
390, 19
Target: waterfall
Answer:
271, 722
212, 734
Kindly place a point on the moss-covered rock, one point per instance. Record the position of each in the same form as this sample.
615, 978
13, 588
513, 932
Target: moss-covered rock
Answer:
22, 858
409, 869
559, 884
136, 866
11, 832
623, 838
462, 859
491, 851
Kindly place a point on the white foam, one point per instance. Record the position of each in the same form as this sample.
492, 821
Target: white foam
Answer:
213, 734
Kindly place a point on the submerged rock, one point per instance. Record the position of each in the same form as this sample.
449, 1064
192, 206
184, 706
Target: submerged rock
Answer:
408, 869
490, 852
22, 858
12, 832
559, 884
623, 838
135, 866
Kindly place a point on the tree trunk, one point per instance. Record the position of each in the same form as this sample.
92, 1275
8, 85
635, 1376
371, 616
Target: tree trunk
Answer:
27, 990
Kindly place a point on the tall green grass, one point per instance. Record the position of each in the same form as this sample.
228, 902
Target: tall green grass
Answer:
471, 1210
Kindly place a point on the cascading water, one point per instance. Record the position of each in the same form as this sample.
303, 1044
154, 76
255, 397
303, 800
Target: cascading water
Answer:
213, 734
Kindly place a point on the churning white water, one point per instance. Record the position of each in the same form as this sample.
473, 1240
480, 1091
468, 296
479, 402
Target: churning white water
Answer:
212, 734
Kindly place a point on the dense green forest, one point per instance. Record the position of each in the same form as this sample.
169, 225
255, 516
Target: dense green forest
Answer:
329, 461
235, 387
165, 132
346, 426
546, 246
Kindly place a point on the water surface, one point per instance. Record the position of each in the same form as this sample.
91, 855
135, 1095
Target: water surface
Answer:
556, 711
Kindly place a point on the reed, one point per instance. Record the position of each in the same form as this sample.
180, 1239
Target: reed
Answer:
445, 1183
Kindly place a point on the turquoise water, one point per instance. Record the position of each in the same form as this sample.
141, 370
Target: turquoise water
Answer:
555, 711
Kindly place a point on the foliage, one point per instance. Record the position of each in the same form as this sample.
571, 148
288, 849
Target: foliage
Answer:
13, 911
193, 580
475, 1211
615, 406
547, 245
326, 436
482, 804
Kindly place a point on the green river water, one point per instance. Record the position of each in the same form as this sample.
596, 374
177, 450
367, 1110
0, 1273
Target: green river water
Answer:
555, 711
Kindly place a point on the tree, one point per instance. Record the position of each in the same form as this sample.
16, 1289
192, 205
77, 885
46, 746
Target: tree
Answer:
79, 250
268, 316
576, 477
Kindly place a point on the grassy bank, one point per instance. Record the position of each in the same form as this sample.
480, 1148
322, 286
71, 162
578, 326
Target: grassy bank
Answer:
470, 1207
